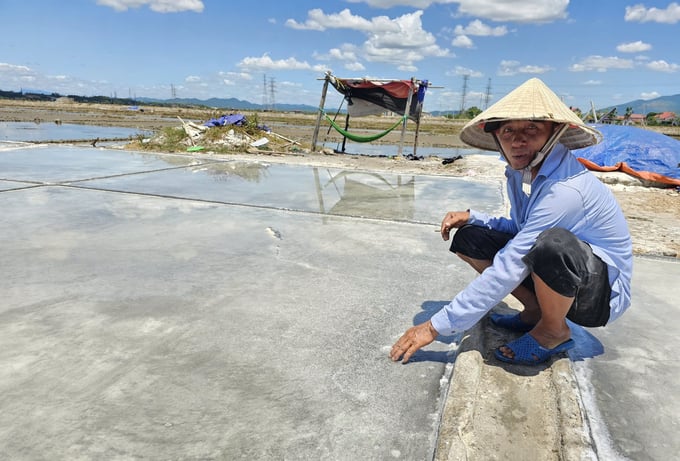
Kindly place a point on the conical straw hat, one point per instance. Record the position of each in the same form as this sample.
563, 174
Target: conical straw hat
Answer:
532, 100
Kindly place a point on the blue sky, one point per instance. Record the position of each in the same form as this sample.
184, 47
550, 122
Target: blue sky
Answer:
605, 51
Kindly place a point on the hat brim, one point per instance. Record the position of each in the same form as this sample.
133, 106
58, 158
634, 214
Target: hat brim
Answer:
532, 100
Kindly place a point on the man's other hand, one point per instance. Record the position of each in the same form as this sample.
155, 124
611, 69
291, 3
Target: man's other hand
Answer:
453, 220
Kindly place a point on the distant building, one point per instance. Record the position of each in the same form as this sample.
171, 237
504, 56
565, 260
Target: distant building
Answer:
634, 119
666, 118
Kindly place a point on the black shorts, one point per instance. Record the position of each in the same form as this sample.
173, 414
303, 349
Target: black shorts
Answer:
564, 262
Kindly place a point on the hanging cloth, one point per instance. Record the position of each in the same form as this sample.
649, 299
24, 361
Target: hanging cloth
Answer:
357, 138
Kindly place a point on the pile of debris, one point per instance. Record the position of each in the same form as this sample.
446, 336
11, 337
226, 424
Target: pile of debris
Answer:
197, 134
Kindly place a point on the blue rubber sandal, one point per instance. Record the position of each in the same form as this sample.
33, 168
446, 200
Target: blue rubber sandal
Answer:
511, 322
529, 352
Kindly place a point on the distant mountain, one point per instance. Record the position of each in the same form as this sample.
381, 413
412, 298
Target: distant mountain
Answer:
640, 106
230, 103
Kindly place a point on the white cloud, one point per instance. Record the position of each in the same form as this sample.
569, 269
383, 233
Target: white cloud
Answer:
480, 29
159, 6
520, 11
264, 62
460, 70
192, 79
476, 28
345, 54
634, 47
401, 41
592, 82
601, 64
510, 68
407, 68
318, 20
638, 13
354, 66
462, 41
533, 69
651, 95
236, 75
663, 66
392, 3
5, 67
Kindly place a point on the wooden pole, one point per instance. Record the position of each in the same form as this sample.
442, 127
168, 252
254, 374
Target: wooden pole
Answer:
315, 138
344, 139
406, 111
415, 142
420, 114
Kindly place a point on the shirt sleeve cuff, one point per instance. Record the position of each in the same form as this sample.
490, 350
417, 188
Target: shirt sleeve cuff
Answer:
440, 322
477, 218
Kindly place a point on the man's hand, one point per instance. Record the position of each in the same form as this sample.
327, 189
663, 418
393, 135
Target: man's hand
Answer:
414, 338
453, 220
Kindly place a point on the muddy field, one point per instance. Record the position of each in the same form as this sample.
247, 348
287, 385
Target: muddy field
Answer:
653, 213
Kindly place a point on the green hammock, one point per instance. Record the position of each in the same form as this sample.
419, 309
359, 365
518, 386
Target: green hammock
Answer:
357, 138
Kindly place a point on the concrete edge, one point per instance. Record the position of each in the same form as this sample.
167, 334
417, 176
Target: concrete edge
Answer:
455, 430
458, 413
576, 441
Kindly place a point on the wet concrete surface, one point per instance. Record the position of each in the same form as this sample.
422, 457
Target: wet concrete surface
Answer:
627, 371
174, 307
180, 309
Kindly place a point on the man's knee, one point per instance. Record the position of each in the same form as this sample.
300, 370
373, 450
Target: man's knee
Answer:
464, 240
555, 241
555, 258
478, 242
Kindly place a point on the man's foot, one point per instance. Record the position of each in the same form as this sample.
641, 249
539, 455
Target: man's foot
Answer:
528, 351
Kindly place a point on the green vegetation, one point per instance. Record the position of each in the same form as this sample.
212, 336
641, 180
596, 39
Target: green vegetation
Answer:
170, 139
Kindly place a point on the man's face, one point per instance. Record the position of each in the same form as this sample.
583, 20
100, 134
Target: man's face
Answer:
521, 139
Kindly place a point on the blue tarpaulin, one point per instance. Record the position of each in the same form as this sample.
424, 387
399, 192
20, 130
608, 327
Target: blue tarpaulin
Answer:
226, 120
640, 152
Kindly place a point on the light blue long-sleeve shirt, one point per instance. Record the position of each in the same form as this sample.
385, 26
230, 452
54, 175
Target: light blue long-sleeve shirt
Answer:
563, 194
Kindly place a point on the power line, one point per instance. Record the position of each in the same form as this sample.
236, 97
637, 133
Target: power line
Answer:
272, 93
463, 93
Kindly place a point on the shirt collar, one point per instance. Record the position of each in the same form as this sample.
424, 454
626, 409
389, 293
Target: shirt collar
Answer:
552, 161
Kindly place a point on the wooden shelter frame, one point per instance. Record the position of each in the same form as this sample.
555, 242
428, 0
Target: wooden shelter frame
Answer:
414, 85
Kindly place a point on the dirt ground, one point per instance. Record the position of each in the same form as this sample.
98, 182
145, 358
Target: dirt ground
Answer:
653, 213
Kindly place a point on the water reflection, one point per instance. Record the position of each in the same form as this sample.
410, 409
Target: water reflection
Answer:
248, 171
43, 132
329, 191
390, 150
367, 194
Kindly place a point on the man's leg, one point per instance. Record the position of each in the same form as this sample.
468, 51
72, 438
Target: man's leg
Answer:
570, 281
552, 329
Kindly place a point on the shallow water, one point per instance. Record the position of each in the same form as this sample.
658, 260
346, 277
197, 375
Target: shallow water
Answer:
391, 150
328, 191
48, 131
43, 132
